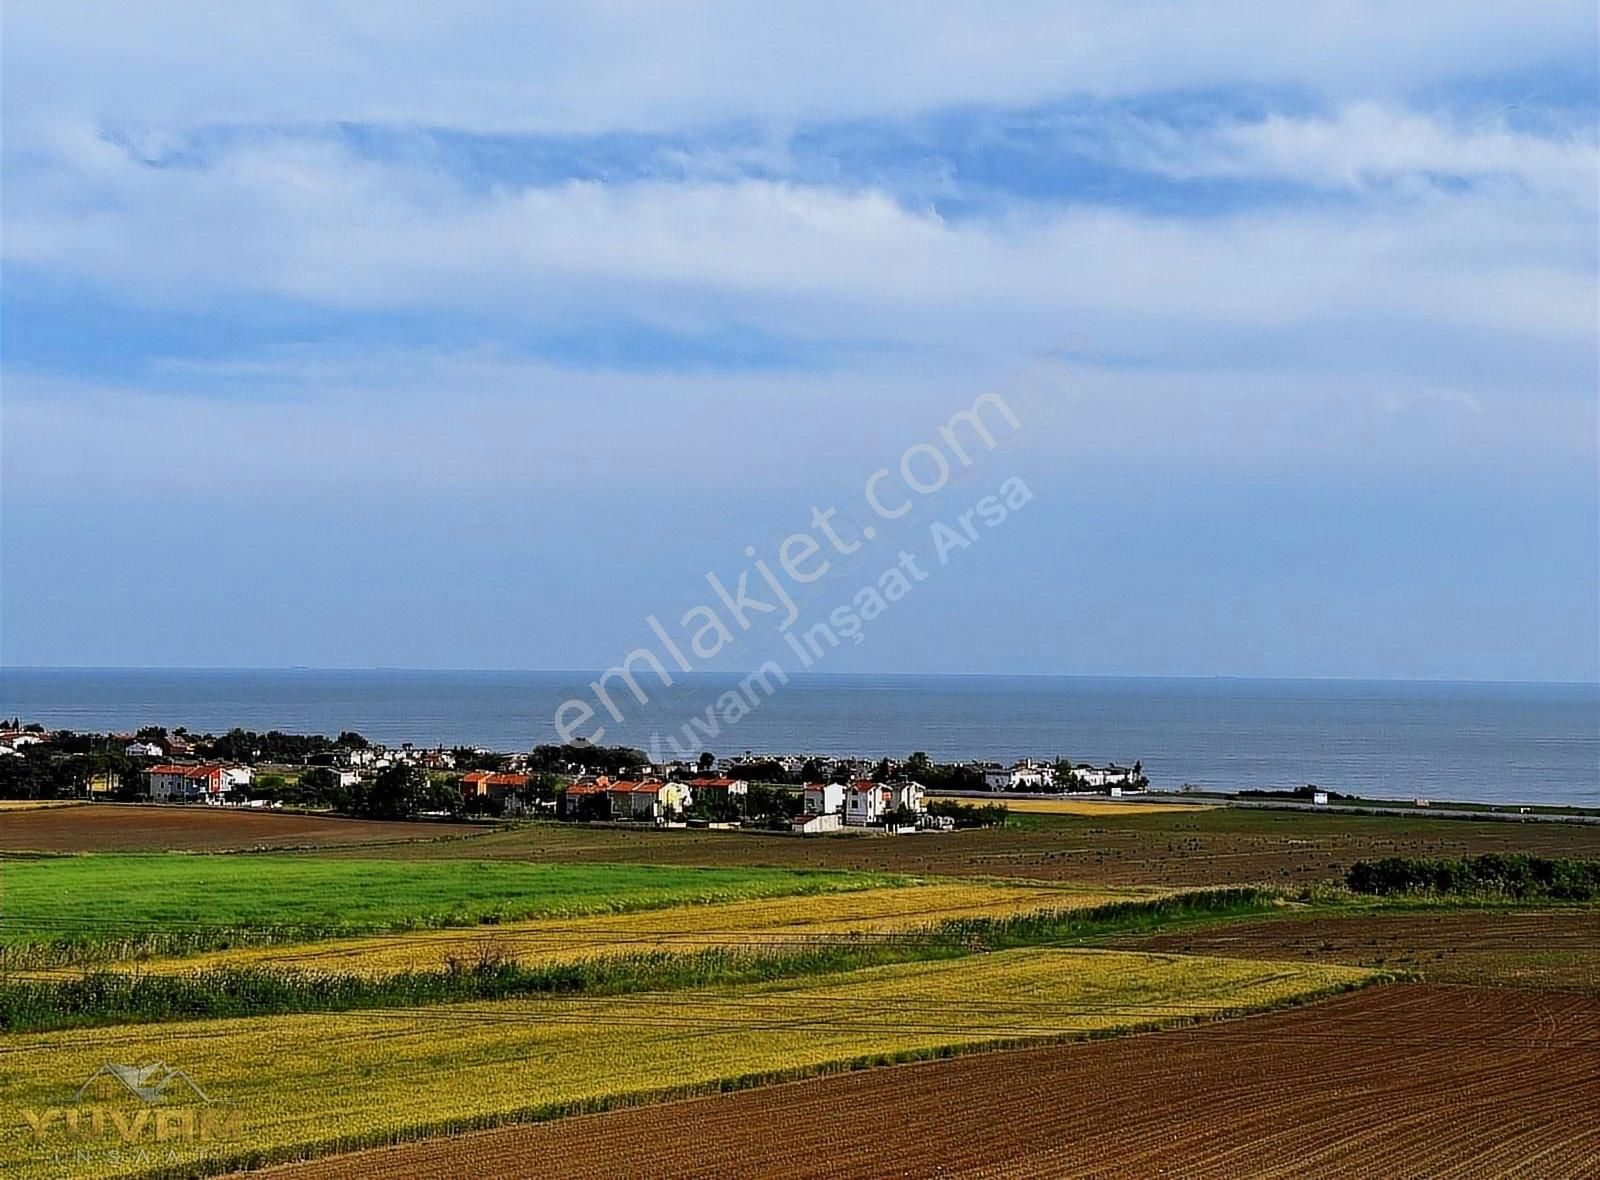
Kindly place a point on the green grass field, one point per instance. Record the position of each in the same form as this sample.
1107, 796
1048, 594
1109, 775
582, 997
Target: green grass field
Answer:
121, 905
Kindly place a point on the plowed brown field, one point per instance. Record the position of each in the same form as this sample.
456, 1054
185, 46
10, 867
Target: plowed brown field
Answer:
111, 827
1402, 1081
1171, 849
1514, 948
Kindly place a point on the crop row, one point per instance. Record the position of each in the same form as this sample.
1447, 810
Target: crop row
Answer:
319, 1082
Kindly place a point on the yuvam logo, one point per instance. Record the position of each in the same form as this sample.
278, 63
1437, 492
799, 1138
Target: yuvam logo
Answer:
171, 1108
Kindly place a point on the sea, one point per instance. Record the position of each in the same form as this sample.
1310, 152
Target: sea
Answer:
1491, 743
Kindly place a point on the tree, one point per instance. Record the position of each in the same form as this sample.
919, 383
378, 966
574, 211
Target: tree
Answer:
706, 761
399, 792
542, 786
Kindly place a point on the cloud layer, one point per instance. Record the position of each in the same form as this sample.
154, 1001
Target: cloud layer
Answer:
353, 250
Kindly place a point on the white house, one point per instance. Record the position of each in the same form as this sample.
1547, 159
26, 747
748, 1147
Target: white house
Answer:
865, 802
206, 783
143, 750
811, 824
1024, 775
908, 794
823, 798
1109, 775
176, 783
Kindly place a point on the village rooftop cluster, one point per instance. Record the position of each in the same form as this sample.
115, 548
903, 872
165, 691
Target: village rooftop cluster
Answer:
578, 781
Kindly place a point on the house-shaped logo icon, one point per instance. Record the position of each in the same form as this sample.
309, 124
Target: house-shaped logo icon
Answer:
151, 1084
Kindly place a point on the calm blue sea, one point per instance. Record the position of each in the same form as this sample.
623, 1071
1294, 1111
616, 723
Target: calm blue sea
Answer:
1486, 742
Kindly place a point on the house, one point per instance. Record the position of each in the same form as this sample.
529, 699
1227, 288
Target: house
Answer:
908, 794
208, 782
179, 783
144, 750
586, 798
484, 784
870, 802
1102, 776
865, 802
823, 798
1023, 775
810, 823
727, 788
651, 800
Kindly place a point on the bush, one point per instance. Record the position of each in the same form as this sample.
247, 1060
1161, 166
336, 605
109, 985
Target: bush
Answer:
966, 815
1512, 875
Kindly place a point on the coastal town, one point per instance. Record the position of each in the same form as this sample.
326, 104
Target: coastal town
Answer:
808, 794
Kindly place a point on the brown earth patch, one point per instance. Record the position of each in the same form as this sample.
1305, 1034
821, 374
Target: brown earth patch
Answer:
1217, 847
1515, 948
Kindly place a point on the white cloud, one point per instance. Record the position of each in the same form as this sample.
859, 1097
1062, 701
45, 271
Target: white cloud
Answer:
1367, 143
305, 219
495, 65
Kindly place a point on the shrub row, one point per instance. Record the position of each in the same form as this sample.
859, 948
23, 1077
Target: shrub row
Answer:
1511, 875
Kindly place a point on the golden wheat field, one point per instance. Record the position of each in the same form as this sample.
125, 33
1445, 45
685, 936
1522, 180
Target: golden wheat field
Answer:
279, 1087
763, 924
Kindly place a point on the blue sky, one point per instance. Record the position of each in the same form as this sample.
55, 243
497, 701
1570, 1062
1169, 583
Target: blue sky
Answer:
470, 336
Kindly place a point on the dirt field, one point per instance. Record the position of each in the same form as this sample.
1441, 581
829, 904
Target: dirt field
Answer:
111, 827
1395, 1082
1169, 847
1216, 847
1520, 948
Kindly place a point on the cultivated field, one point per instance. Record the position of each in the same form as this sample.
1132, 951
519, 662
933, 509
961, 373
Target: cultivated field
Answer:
370, 988
114, 827
1472, 1084
1558, 949
112, 905
1220, 846
768, 924
1169, 846
317, 1082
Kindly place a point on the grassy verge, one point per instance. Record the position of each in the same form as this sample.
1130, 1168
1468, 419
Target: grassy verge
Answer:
107, 997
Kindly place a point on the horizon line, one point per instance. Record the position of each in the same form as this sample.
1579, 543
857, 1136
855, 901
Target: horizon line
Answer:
803, 674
